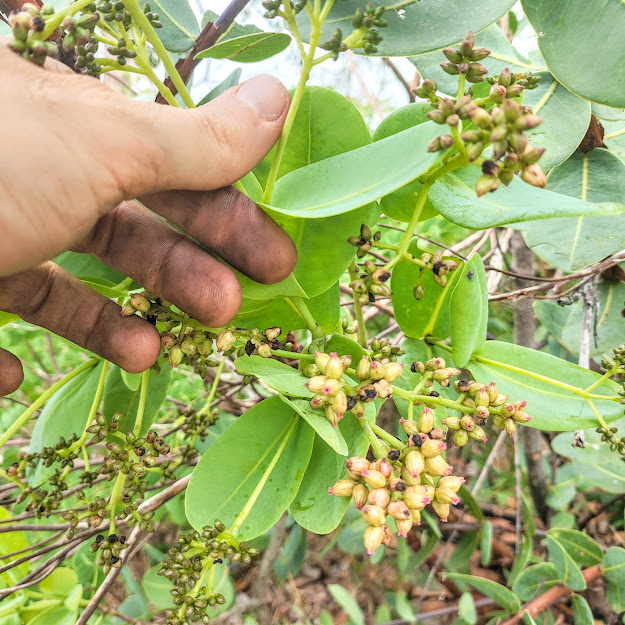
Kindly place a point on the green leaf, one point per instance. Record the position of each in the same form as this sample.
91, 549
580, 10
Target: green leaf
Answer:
471, 503
58, 616
289, 287
6, 318
401, 204
469, 311
581, 547
248, 48
420, 27
565, 120
346, 600
222, 482
538, 378
65, 415
521, 560
403, 607
87, 266
568, 570
325, 308
464, 549
60, 582
232, 80
466, 609
552, 316
344, 346
326, 124
541, 577
275, 374
572, 243
429, 316
117, 396
180, 27
131, 380
312, 507
318, 422
613, 567
582, 614
504, 597
502, 55
353, 179
615, 595
10, 542
583, 54
235, 30
453, 196
486, 544
104, 287
292, 555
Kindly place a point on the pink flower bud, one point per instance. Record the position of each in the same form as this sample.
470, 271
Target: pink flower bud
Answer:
374, 535
168, 340
452, 482
318, 401
383, 389
521, 417
357, 464
379, 497
396, 485
403, 526
409, 426
321, 360
332, 416
414, 463
376, 370
446, 495
384, 467
426, 421
437, 466
442, 510
432, 448
343, 488
416, 517
374, 478
482, 399
339, 403
398, 510
140, 302
360, 494
362, 370
392, 371
452, 422
373, 515
415, 497
331, 387
225, 341
334, 367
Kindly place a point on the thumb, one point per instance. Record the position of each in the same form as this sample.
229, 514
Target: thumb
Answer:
218, 143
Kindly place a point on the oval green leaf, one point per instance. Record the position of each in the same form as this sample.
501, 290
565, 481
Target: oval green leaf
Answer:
180, 27
222, 482
500, 594
275, 374
547, 384
568, 570
453, 196
613, 566
248, 48
541, 576
468, 308
584, 54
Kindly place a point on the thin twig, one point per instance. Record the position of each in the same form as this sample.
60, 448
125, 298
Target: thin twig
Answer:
400, 77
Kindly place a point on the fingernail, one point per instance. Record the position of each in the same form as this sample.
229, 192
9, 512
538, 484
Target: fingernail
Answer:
266, 94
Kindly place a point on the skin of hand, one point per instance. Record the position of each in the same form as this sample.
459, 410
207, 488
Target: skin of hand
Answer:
74, 155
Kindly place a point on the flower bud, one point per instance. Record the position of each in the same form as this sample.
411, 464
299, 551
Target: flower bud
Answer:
498, 421
343, 488
482, 412
332, 416
374, 535
479, 54
437, 466
346, 361
446, 495
414, 463
432, 448
316, 384
435, 363
442, 510
521, 417
358, 409
406, 476
360, 493
466, 46
510, 426
403, 526
450, 68
384, 467
383, 389
225, 341
409, 426
481, 398
426, 421
362, 370
396, 485
452, 55
392, 370
373, 515
534, 175
273, 333
499, 401
399, 510
188, 347
532, 155
321, 360
339, 403
452, 422
168, 340
508, 410
331, 387
379, 497
334, 367
453, 482
175, 356
481, 118
140, 302
128, 309
319, 401
416, 517
478, 434
415, 497
376, 370
367, 393
528, 122
374, 478
461, 438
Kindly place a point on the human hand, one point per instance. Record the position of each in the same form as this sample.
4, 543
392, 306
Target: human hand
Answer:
74, 150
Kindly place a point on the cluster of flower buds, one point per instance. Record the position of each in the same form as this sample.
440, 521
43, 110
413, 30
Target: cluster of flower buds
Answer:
115, 11
121, 52
510, 85
440, 268
255, 342
272, 7
608, 435
465, 60
336, 395
188, 561
381, 349
365, 241
365, 24
109, 551
25, 25
371, 284
452, 113
504, 127
335, 44
400, 486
